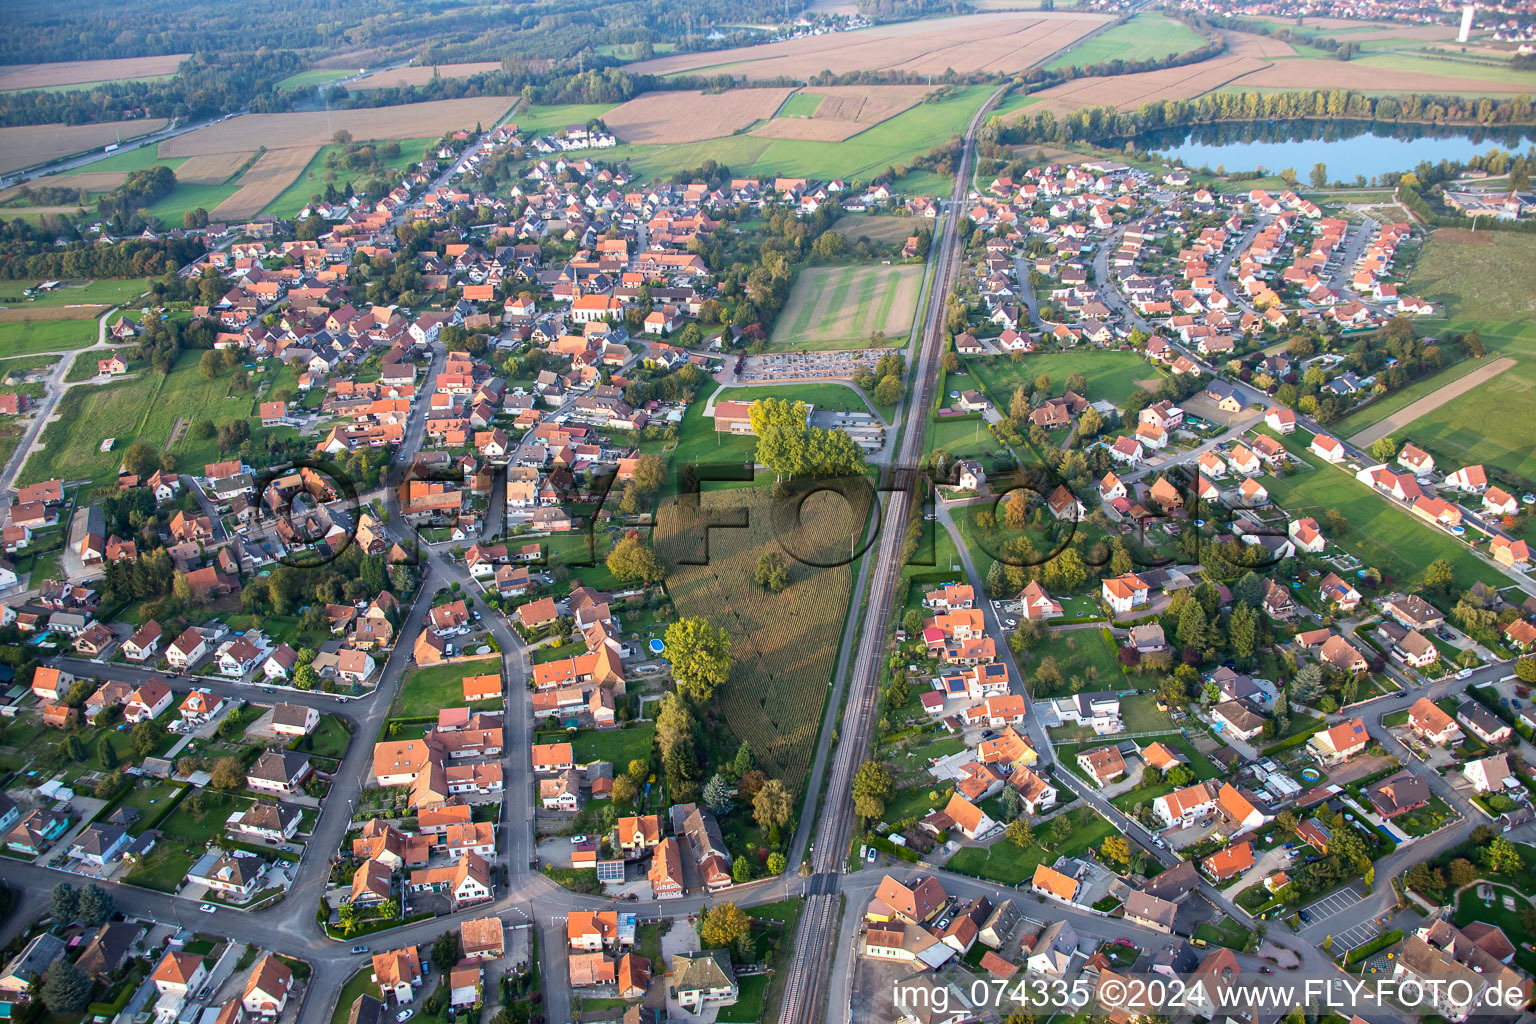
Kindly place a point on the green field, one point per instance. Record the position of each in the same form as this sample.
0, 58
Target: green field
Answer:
1480, 280
360, 983
839, 307
800, 104
1381, 533
145, 408
1459, 432
1426, 65
547, 120
313, 77
1144, 37
105, 291
1080, 654
884, 145
1111, 376
132, 160
296, 196
23, 338
1390, 404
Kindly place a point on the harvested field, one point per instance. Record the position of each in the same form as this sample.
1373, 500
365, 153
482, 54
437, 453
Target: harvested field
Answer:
1002, 42
264, 182
78, 72
212, 169
311, 129
1430, 402
840, 307
29, 145
1130, 91
1248, 44
29, 313
844, 111
422, 74
675, 117
87, 181
1305, 73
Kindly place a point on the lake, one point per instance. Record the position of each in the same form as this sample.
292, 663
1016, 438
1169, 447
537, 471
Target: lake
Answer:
1350, 150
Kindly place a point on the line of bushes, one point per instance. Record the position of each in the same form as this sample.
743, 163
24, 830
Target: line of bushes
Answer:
1376, 945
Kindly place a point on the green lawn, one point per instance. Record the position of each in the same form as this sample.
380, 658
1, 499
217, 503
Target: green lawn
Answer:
1381, 533
24, 338
1389, 404
749, 1005
149, 799
967, 438
359, 984
1110, 375
578, 547
1458, 434
184, 838
617, 746
133, 160
330, 738
1004, 862
1145, 36
428, 690
884, 145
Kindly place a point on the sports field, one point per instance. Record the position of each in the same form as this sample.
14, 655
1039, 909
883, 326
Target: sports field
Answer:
839, 307
1146, 36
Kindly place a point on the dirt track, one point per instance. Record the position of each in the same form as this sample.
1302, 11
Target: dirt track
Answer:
1429, 403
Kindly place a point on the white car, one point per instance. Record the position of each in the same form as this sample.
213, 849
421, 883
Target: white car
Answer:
1465, 673
405, 1014
207, 908
578, 839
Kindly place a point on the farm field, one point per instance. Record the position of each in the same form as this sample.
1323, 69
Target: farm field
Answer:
86, 181
297, 195
1379, 534
784, 646
839, 307
1144, 36
421, 74
1395, 72
1399, 400
316, 128
87, 72
145, 408
136, 159
1130, 91
692, 116
1002, 42
22, 338
880, 147
212, 169
840, 112
268, 178
1111, 376
1458, 433
29, 145
879, 228
1485, 371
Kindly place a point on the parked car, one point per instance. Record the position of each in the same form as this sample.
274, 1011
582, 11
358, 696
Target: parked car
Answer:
359, 950
578, 839
1125, 942
871, 855
405, 1014
1464, 674
207, 908
1306, 918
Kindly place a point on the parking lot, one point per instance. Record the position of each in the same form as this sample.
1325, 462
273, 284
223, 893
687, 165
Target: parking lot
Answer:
1330, 906
1359, 935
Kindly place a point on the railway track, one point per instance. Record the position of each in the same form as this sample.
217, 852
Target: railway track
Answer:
814, 941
